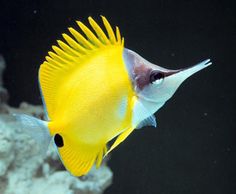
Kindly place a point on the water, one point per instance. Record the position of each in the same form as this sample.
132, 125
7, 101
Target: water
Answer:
193, 148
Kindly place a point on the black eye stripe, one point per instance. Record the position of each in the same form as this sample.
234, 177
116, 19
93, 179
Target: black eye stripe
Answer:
156, 76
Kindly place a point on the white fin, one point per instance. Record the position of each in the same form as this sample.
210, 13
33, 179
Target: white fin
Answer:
37, 129
140, 113
150, 121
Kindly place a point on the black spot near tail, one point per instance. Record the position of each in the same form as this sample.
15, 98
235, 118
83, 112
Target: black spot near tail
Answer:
58, 140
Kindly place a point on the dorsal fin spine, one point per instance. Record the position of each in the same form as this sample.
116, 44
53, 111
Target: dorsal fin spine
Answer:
118, 35
63, 54
74, 44
81, 40
55, 63
68, 49
109, 30
89, 34
57, 58
98, 31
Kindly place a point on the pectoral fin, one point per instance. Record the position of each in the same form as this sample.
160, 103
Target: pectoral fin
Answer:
150, 121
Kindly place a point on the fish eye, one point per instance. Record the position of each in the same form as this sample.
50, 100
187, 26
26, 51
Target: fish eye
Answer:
156, 77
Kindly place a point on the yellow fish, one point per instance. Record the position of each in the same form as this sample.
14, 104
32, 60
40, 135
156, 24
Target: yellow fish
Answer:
95, 90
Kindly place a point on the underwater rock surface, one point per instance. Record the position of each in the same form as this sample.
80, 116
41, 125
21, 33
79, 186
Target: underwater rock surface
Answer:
3, 91
23, 170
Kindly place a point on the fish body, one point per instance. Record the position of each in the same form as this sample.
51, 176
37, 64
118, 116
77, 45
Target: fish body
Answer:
95, 90
91, 98
93, 107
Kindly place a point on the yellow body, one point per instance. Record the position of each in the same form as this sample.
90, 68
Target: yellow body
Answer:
88, 95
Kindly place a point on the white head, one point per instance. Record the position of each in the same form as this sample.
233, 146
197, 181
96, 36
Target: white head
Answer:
153, 84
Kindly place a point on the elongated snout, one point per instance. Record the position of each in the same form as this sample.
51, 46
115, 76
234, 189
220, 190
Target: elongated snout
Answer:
154, 83
183, 74
172, 80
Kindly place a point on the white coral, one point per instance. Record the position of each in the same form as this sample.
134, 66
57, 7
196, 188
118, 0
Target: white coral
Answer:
6, 148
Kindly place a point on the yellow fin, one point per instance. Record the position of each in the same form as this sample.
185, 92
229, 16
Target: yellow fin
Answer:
98, 31
100, 156
120, 139
109, 30
78, 158
71, 54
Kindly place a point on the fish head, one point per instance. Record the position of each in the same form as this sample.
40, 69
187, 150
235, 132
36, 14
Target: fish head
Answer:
153, 83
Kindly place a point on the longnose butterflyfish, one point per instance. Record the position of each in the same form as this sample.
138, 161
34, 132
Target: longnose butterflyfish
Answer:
96, 91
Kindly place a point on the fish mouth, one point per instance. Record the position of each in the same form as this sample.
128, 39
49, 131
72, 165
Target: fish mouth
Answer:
183, 74
176, 77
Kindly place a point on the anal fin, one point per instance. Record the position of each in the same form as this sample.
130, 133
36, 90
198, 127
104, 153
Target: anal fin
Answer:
120, 139
79, 158
100, 156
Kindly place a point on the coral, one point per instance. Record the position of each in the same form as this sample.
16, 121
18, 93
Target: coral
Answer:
24, 171
3, 91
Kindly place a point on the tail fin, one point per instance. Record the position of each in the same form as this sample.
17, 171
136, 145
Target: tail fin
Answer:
37, 129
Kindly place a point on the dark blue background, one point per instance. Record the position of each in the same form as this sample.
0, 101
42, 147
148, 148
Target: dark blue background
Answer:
193, 148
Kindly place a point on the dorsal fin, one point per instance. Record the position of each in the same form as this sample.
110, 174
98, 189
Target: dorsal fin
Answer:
71, 54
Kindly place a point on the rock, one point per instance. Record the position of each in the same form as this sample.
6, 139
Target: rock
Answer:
3, 92
6, 148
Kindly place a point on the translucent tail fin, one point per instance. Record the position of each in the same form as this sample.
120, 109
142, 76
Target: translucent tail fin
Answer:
37, 129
